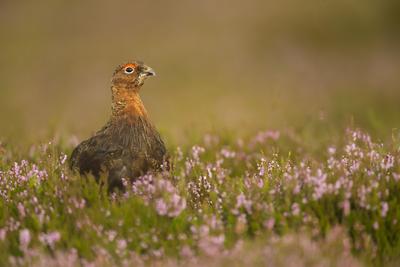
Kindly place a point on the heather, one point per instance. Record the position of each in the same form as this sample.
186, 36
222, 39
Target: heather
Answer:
281, 119
227, 200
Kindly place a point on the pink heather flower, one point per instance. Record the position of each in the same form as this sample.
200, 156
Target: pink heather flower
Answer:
331, 150
375, 225
21, 210
350, 148
121, 244
260, 183
111, 235
50, 239
385, 209
158, 253
3, 234
161, 206
204, 230
196, 151
296, 189
124, 182
143, 245
241, 201
209, 172
320, 185
261, 168
295, 209
212, 245
262, 137
269, 224
24, 238
182, 236
241, 224
373, 155
346, 207
355, 166
79, 204
186, 252
227, 153
63, 158
178, 205
387, 162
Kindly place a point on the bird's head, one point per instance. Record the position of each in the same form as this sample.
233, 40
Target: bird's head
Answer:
131, 75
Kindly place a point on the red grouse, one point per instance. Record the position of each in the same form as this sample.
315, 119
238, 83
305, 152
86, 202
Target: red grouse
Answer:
128, 145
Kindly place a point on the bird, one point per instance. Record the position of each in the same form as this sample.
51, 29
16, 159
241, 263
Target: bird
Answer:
128, 145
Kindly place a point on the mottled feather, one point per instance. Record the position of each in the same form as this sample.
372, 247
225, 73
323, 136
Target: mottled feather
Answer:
128, 145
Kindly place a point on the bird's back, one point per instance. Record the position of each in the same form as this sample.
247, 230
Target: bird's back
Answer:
121, 149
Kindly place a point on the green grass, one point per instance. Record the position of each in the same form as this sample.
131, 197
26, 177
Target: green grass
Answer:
261, 190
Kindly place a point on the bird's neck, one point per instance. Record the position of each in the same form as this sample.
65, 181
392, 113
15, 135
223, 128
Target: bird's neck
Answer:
127, 104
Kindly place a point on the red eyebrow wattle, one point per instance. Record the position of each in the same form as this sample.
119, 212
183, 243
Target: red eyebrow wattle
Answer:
132, 65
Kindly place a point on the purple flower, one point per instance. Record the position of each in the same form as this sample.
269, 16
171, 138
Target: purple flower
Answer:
24, 239
295, 209
161, 207
269, 224
50, 238
384, 209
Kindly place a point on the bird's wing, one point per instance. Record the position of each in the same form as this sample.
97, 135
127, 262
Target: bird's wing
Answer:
94, 154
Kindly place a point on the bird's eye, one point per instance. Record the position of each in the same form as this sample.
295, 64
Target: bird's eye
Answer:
129, 70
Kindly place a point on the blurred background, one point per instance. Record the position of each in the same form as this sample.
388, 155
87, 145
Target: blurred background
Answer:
221, 65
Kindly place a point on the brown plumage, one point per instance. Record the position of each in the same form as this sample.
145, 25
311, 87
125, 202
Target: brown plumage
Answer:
128, 145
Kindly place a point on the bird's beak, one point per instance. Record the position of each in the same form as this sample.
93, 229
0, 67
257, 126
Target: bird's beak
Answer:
147, 71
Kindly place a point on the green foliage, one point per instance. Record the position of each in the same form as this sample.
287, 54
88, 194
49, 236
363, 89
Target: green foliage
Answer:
219, 192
